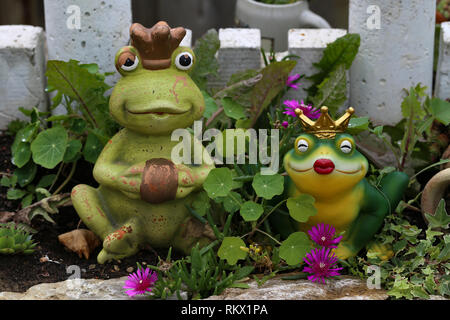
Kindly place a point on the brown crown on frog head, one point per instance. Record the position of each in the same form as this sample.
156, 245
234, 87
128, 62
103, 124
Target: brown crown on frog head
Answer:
156, 45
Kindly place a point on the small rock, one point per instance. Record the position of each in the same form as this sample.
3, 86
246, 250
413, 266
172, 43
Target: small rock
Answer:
144, 263
43, 259
91, 266
130, 269
116, 268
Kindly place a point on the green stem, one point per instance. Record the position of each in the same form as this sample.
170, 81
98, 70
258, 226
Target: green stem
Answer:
268, 235
57, 176
271, 211
72, 171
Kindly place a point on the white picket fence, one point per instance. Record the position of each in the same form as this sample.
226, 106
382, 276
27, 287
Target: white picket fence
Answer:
396, 52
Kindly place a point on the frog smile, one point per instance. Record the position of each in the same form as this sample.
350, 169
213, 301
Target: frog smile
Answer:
159, 111
324, 167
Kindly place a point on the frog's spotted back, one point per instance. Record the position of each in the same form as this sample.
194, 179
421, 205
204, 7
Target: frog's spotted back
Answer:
156, 45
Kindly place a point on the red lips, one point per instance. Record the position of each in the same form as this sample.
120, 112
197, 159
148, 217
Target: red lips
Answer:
323, 166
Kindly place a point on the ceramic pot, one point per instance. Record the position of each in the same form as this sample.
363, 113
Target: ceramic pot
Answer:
274, 20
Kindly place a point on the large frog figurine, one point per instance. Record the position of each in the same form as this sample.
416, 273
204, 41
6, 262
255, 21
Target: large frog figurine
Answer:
142, 197
325, 164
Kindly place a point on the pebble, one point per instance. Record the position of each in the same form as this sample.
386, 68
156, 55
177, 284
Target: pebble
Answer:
116, 268
130, 269
91, 266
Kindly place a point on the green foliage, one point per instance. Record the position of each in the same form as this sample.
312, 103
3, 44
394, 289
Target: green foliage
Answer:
419, 266
231, 250
15, 239
295, 247
56, 143
330, 83
201, 274
301, 207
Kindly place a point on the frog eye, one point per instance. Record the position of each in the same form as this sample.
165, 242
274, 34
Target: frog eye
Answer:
128, 61
302, 145
184, 61
346, 146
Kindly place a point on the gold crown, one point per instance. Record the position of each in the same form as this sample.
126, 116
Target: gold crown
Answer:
325, 127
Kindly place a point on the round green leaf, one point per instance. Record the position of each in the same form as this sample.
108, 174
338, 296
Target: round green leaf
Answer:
92, 148
26, 174
231, 251
233, 109
201, 203
21, 153
301, 207
73, 147
14, 194
49, 147
251, 211
295, 247
268, 186
230, 205
218, 183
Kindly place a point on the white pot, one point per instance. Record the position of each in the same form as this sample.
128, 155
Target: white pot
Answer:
274, 20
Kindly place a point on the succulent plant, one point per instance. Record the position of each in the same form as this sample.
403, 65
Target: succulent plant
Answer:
14, 239
443, 7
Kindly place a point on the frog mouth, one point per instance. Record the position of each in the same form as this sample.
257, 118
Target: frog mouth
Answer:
159, 111
324, 167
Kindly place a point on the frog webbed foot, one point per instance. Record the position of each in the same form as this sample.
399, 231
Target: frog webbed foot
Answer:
119, 244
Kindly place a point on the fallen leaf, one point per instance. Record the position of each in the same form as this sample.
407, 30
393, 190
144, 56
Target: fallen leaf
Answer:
80, 241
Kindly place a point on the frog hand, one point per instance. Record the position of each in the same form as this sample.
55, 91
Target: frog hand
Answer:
129, 181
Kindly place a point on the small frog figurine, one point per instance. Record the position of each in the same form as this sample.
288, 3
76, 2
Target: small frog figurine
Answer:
143, 194
326, 165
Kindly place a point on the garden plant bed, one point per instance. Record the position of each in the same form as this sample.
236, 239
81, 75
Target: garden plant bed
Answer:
20, 272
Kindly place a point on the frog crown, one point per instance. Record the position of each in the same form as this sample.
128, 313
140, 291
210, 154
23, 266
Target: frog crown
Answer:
325, 127
156, 45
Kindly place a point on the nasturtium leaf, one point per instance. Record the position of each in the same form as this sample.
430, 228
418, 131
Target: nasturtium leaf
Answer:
14, 194
230, 250
301, 207
440, 219
268, 186
295, 247
21, 153
26, 174
73, 147
49, 147
210, 105
78, 125
218, 183
357, 125
92, 148
251, 211
233, 109
201, 203
229, 204
441, 110
46, 181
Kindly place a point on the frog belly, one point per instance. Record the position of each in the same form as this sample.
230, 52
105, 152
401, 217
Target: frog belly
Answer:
158, 223
340, 213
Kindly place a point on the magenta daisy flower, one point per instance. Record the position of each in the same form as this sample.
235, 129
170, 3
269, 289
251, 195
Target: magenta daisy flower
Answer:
308, 110
290, 82
285, 124
321, 265
324, 235
140, 282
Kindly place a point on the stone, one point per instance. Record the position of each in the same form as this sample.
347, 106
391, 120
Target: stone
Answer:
396, 53
90, 31
22, 71
442, 83
346, 288
240, 49
309, 45
74, 289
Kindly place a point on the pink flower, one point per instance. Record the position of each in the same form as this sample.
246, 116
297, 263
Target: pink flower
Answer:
140, 282
321, 265
285, 124
290, 82
323, 235
308, 110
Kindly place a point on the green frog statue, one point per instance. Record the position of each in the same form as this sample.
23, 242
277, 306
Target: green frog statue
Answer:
142, 195
325, 164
